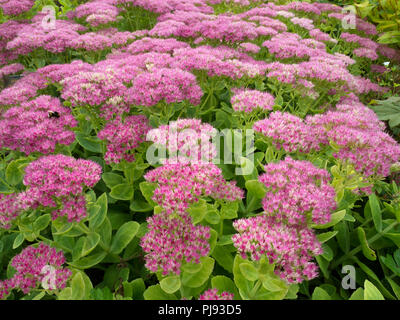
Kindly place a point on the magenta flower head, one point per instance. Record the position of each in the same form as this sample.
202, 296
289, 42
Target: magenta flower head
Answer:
188, 138
123, 137
359, 134
92, 88
5, 288
290, 248
172, 241
59, 182
249, 100
35, 267
96, 13
163, 84
16, 7
289, 132
37, 126
10, 208
212, 294
181, 183
297, 190
11, 69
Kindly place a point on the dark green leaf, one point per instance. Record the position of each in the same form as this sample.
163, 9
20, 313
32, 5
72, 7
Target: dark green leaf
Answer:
376, 212
367, 251
223, 257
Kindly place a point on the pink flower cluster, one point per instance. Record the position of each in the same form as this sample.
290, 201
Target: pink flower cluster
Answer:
323, 66
10, 208
249, 100
356, 130
147, 44
8, 30
171, 241
123, 137
389, 52
187, 138
91, 88
303, 22
319, 35
172, 237
181, 183
223, 27
164, 84
287, 45
10, 69
96, 13
166, 6
33, 266
288, 132
59, 182
378, 68
352, 127
23, 89
220, 61
366, 52
361, 24
212, 294
298, 193
290, 248
37, 126
249, 47
33, 36
16, 7
362, 41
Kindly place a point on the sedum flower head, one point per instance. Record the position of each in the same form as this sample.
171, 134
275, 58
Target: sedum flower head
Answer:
37, 126
181, 183
249, 100
123, 137
289, 132
290, 248
172, 241
298, 192
10, 208
212, 294
37, 266
59, 182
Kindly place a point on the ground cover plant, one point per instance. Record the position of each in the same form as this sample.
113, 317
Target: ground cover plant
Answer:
197, 149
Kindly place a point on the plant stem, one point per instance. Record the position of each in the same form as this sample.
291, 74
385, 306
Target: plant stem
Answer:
137, 255
221, 228
255, 289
